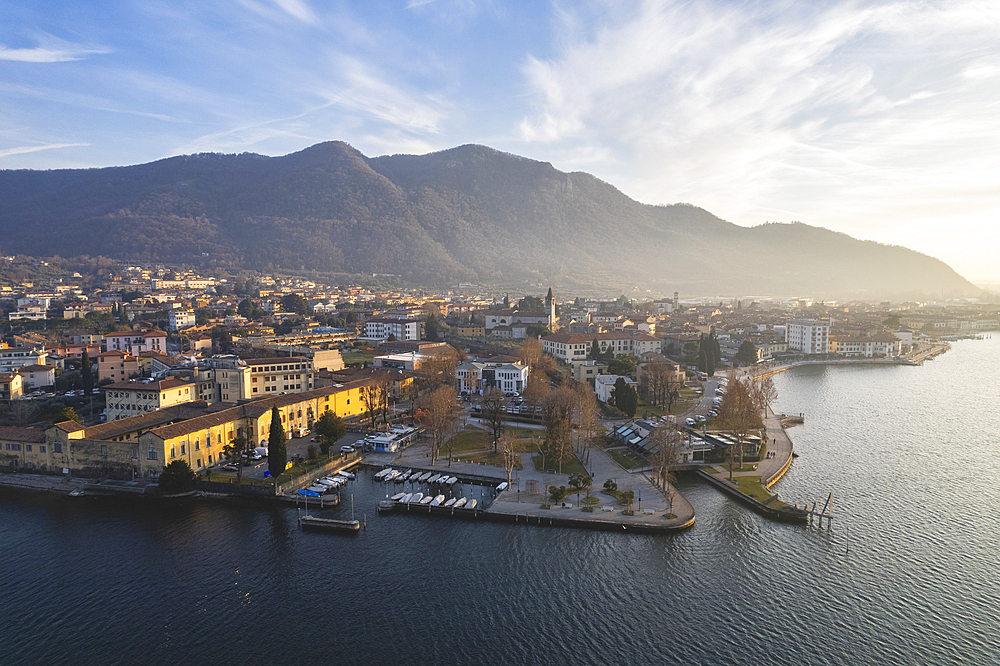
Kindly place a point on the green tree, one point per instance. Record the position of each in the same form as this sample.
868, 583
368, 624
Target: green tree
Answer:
622, 364
625, 397
431, 327
277, 454
237, 451
538, 330
531, 304
245, 308
747, 355
69, 414
295, 303
595, 351
703, 360
330, 428
202, 317
86, 374
177, 477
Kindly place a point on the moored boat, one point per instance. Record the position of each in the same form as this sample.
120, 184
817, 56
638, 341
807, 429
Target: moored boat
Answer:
450, 502
437, 500
416, 497
460, 502
472, 504
427, 500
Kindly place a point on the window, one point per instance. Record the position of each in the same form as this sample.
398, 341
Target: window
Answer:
57, 447
27, 447
151, 453
173, 452
41, 448
104, 449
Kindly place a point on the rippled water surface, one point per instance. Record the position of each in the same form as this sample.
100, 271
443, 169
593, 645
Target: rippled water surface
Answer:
906, 575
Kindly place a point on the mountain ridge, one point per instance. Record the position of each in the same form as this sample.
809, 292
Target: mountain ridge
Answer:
468, 213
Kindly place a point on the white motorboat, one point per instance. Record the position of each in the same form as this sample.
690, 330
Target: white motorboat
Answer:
437, 500
391, 475
397, 497
502, 487
460, 502
451, 502
406, 498
346, 475
472, 504
452, 480
427, 500
381, 475
416, 497
423, 477
434, 478
329, 483
318, 489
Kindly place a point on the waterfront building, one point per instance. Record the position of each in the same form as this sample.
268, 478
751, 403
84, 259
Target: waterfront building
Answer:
473, 376
809, 336
124, 399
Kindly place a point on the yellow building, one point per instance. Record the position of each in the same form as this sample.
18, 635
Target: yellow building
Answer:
142, 445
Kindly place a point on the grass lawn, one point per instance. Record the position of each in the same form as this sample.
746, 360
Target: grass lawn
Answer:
357, 357
467, 440
625, 461
679, 407
490, 458
570, 466
750, 485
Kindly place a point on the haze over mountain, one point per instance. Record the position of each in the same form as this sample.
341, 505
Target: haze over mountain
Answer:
466, 214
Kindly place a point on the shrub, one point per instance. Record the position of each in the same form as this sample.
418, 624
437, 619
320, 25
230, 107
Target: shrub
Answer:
177, 477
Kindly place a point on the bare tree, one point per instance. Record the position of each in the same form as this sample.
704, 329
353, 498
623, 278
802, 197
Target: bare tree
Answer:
20, 413
438, 369
371, 396
530, 352
586, 418
494, 415
738, 416
441, 418
384, 383
557, 410
666, 442
508, 449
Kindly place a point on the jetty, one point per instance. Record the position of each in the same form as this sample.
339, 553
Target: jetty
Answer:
329, 524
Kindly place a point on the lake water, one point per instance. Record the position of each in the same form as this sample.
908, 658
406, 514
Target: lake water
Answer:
906, 575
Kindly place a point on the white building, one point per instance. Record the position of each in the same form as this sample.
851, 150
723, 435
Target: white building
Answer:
474, 376
809, 336
133, 342
381, 328
604, 384
12, 359
180, 319
124, 399
867, 347
576, 346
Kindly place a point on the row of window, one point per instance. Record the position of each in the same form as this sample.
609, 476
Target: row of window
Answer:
27, 447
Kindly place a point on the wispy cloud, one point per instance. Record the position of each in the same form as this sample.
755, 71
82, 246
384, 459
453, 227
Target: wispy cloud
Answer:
843, 112
274, 10
50, 49
21, 150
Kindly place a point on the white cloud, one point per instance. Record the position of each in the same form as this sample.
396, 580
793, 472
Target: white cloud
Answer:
862, 118
21, 150
276, 10
50, 49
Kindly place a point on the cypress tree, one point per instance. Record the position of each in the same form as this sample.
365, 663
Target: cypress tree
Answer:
86, 374
277, 455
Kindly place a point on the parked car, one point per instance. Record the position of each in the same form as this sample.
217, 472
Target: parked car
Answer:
347, 448
689, 421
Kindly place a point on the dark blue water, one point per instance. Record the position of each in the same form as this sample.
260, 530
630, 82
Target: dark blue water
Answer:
906, 575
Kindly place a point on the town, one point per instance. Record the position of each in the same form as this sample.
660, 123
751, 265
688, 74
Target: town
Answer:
118, 372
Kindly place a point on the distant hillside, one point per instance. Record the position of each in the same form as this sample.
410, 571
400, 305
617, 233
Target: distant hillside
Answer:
470, 213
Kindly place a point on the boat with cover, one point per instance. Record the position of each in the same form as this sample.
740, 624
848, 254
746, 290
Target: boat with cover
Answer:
346, 475
502, 487
427, 500
434, 478
381, 475
472, 504
397, 497
450, 502
406, 498
437, 500
460, 502
415, 498
423, 477
452, 480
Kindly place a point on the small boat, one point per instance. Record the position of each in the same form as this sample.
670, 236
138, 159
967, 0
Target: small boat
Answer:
460, 502
406, 498
399, 478
437, 500
502, 487
416, 497
406, 475
472, 504
423, 477
381, 475
328, 483
434, 479
452, 480
391, 475
427, 500
451, 502
386, 506
397, 497
318, 489
346, 475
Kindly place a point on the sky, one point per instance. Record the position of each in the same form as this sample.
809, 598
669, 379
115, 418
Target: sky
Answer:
877, 119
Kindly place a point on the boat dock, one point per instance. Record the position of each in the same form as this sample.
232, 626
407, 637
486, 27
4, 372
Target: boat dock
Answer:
329, 524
